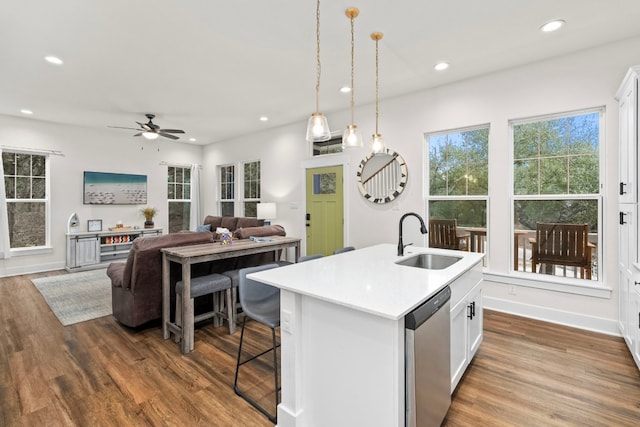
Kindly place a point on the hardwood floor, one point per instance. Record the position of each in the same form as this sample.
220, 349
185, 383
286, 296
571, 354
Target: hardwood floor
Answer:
98, 373
533, 373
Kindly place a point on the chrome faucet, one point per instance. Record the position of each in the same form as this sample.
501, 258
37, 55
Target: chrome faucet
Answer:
423, 230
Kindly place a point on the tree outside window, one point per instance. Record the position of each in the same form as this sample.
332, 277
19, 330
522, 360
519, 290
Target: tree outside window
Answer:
25, 181
458, 180
179, 197
227, 190
556, 178
251, 187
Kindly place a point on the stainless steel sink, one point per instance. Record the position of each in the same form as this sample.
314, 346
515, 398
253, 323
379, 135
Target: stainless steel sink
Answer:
430, 261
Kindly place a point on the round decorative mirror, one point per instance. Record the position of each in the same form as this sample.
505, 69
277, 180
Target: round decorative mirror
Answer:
382, 177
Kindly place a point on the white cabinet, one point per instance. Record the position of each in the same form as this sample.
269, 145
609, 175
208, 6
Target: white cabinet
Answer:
628, 229
466, 322
97, 249
627, 96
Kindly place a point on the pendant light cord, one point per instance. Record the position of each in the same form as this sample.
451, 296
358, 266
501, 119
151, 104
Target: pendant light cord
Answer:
352, 67
319, 69
377, 83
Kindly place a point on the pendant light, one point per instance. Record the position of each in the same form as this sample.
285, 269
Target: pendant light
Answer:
377, 145
318, 126
352, 137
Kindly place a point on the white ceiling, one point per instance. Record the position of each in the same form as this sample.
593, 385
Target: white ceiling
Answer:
213, 68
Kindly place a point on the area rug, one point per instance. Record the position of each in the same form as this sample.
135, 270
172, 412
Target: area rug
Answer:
77, 297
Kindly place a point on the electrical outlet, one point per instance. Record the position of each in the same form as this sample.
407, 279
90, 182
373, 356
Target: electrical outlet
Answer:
512, 290
287, 326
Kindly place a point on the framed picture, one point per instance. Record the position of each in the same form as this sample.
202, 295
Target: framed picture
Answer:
102, 188
94, 225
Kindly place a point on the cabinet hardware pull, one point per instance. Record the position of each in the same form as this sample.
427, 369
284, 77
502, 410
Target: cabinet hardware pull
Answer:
473, 309
622, 214
622, 184
469, 312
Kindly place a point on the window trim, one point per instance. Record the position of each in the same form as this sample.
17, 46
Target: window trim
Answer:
241, 186
189, 200
219, 187
564, 284
427, 178
47, 247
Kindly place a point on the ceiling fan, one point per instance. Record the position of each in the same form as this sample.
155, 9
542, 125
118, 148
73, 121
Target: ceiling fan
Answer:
151, 130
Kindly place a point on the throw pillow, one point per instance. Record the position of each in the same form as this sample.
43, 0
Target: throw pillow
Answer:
205, 227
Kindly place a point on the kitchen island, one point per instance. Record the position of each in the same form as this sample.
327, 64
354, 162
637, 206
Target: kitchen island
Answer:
342, 332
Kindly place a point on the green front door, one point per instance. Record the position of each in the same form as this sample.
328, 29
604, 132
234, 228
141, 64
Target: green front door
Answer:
325, 214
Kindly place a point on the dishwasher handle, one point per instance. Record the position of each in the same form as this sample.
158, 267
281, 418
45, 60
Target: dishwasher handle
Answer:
423, 312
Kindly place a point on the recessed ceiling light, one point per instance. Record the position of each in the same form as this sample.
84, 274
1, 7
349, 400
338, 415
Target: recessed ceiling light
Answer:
264, 118
192, 139
441, 66
54, 60
345, 89
552, 26
25, 111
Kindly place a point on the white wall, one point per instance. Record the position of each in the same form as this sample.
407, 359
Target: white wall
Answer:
584, 80
90, 150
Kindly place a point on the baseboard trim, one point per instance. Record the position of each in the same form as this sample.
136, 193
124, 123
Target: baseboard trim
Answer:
30, 269
576, 320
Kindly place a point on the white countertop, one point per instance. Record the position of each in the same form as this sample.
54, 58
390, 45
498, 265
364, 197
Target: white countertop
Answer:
368, 279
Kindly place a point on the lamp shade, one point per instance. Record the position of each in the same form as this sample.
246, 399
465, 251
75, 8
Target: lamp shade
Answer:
266, 210
318, 128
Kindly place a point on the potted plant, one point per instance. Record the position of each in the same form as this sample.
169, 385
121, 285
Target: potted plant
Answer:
148, 214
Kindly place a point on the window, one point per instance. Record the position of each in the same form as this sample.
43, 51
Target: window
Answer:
179, 197
332, 146
251, 189
556, 179
25, 181
458, 182
227, 190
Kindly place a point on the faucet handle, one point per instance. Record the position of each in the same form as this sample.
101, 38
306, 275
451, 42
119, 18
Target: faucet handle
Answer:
407, 245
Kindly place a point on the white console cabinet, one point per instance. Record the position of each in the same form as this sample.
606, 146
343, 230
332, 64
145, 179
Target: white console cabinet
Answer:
628, 229
89, 250
466, 321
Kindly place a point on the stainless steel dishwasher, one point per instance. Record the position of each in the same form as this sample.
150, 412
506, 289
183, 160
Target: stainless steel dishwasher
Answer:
427, 362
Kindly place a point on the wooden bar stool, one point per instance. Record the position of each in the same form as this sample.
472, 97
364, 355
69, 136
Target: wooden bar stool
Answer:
204, 285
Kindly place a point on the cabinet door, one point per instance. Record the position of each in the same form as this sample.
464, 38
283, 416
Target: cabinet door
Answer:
86, 251
634, 325
459, 340
623, 303
627, 114
475, 321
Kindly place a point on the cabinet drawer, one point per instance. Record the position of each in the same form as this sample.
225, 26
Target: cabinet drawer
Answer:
461, 286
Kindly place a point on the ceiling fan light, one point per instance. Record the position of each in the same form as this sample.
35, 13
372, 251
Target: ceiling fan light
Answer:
150, 135
351, 138
318, 128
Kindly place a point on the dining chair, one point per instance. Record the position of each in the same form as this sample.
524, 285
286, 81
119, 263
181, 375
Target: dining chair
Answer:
309, 257
562, 244
444, 234
343, 250
261, 303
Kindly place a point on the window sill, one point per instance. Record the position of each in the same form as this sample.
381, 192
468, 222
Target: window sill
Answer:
571, 286
39, 250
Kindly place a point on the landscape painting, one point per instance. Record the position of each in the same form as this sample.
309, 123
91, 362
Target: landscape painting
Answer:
103, 188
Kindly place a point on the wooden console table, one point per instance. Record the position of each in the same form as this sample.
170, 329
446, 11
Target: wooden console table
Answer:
194, 254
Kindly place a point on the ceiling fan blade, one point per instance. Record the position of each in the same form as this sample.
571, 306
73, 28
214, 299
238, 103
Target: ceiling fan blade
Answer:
121, 127
168, 135
171, 130
137, 134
